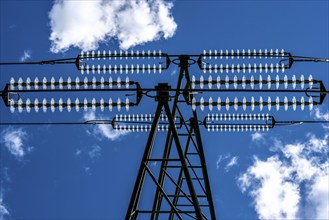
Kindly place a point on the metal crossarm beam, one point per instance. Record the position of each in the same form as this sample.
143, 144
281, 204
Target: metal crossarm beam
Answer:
182, 177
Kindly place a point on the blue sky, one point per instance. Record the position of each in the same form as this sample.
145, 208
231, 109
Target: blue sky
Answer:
88, 172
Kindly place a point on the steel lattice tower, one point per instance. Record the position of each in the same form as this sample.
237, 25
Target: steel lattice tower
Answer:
180, 184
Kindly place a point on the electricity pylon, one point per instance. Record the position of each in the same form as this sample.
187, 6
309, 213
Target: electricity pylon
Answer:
179, 186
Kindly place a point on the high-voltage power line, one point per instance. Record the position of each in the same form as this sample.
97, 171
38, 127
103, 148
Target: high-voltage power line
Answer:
235, 84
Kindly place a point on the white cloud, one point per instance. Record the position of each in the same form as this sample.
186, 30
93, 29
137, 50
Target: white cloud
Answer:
276, 146
78, 152
317, 114
233, 162
174, 72
257, 136
92, 152
154, 164
318, 145
103, 130
228, 160
319, 198
320, 115
85, 24
3, 210
13, 141
274, 195
95, 152
4, 174
88, 156
87, 170
275, 183
26, 55
220, 157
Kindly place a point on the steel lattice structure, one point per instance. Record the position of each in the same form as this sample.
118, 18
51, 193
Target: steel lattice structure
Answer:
181, 187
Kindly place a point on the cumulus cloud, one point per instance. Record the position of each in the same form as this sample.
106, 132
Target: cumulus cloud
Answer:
26, 55
13, 141
233, 162
317, 114
3, 209
86, 24
78, 152
276, 197
220, 159
319, 198
103, 130
95, 151
257, 136
88, 155
174, 72
320, 115
275, 184
87, 170
4, 173
228, 160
